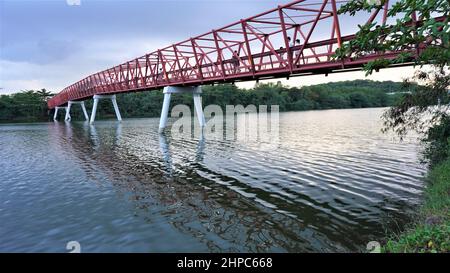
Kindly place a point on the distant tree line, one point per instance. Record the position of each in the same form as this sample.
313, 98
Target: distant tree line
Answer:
25, 106
31, 105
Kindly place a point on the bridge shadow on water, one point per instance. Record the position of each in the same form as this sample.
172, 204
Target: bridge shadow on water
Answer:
173, 179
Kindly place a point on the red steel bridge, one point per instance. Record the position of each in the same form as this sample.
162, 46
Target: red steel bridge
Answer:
295, 39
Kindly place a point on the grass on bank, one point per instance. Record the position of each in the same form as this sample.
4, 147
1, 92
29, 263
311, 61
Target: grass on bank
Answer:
431, 231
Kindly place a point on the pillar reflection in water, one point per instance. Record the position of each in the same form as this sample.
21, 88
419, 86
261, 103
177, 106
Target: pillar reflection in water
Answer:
181, 196
164, 147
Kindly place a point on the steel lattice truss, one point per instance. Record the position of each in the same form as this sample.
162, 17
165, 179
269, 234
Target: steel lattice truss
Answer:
294, 39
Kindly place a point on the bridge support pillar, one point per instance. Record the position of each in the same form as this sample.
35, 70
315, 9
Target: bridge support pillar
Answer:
114, 103
69, 106
196, 93
164, 111
55, 115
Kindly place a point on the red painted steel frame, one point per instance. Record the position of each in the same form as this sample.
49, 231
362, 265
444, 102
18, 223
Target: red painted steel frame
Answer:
237, 52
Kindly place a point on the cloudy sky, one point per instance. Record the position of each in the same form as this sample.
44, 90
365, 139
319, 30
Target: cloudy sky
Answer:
51, 44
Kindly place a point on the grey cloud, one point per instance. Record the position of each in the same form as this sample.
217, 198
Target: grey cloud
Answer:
43, 51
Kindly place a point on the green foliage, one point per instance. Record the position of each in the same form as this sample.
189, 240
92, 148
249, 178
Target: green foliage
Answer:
437, 142
428, 42
438, 194
429, 39
24, 106
44, 94
416, 111
421, 239
431, 231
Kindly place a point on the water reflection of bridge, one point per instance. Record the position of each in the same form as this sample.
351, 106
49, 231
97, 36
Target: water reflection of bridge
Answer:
228, 216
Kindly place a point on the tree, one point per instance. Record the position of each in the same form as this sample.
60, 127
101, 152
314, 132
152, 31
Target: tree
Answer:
44, 94
415, 29
422, 39
23, 106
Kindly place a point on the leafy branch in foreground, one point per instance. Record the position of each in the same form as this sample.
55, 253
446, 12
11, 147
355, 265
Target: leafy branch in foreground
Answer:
420, 33
415, 33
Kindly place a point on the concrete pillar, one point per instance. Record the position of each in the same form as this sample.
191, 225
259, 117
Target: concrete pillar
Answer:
164, 111
55, 116
69, 106
83, 107
196, 93
116, 108
199, 109
94, 110
114, 102
68, 117
56, 113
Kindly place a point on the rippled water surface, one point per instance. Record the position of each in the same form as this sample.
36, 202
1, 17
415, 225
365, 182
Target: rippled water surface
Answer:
333, 183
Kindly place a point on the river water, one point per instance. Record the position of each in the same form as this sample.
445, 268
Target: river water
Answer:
333, 183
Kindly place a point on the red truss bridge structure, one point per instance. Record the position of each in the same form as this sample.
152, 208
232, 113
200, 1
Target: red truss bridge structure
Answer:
299, 38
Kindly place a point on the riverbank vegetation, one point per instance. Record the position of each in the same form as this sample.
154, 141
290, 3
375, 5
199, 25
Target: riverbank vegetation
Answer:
430, 232
31, 105
425, 110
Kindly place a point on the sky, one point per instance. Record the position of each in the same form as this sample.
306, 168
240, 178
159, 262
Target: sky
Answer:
52, 44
